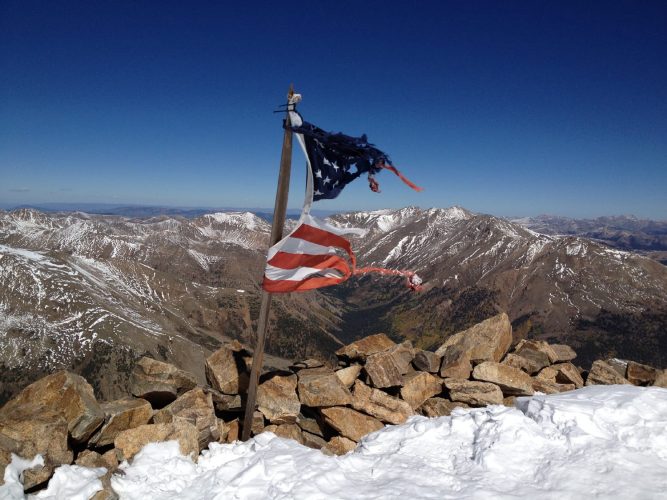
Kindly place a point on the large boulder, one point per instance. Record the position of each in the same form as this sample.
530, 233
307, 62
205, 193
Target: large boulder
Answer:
511, 381
639, 374
277, 399
486, 341
160, 382
603, 374
322, 387
474, 393
68, 394
128, 443
29, 433
350, 423
196, 408
121, 415
380, 404
362, 348
418, 387
386, 368
226, 370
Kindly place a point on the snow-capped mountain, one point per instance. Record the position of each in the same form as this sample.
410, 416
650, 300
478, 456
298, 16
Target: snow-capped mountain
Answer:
93, 292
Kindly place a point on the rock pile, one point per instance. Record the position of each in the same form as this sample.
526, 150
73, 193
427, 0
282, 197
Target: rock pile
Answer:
377, 382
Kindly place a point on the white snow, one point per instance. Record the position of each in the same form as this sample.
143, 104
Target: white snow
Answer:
596, 442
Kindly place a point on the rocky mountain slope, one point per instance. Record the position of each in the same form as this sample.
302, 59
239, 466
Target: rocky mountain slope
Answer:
93, 293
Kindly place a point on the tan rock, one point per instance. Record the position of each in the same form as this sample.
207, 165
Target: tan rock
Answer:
563, 353
196, 408
525, 364
639, 374
226, 372
474, 393
533, 359
568, 374
66, 393
603, 374
362, 348
537, 345
661, 379
547, 387
339, 445
455, 362
486, 341
348, 375
350, 423
128, 443
511, 381
548, 374
322, 387
439, 407
277, 399
386, 368
380, 404
28, 431
229, 431
287, 431
427, 361
313, 441
159, 382
418, 387
121, 415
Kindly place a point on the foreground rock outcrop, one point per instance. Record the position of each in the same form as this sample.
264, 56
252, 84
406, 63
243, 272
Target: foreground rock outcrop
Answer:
377, 382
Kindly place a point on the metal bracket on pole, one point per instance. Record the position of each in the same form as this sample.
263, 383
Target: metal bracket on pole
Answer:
279, 212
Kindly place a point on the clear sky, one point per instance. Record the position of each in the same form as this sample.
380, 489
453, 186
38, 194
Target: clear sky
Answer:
503, 107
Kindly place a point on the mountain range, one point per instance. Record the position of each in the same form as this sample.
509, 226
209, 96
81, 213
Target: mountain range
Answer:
94, 292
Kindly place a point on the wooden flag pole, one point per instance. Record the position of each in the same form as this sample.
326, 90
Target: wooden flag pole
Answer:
279, 210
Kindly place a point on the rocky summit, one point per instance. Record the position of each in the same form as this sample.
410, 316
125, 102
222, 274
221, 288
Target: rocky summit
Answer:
318, 403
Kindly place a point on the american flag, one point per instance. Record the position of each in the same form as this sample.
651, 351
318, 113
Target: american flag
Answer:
316, 254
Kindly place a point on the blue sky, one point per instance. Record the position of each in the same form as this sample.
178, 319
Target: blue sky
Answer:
504, 107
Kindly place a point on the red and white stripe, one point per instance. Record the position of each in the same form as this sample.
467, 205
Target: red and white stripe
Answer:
309, 257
